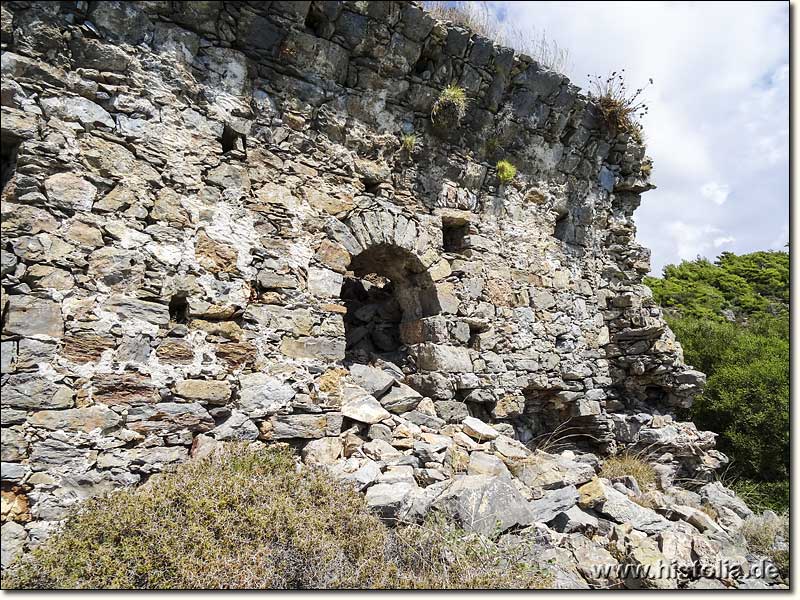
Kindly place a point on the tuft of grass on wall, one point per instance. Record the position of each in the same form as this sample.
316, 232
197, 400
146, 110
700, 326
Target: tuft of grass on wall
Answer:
768, 534
620, 107
506, 171
408, 142
481, 19
450, 106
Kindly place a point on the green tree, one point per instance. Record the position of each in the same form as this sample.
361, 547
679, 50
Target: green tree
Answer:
732, 318
744, 285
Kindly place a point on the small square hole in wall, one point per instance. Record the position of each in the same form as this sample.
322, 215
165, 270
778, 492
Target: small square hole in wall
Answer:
454, 233
655, 394
8, 156
317, 22
178, 309
562, 229
229, 139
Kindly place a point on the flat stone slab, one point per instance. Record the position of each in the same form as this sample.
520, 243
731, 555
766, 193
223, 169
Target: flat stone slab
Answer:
360, 406
479, 430
484, 504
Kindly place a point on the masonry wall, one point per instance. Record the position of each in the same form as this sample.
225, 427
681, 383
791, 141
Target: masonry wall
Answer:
188, 187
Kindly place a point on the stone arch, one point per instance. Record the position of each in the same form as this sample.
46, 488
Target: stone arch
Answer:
385, 224
387, 289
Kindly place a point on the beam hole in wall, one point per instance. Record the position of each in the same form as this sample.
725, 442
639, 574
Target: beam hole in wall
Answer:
424, 66
655, 395
8, 161
562, 228
316, 20
178, 309
384, 287
548, 422
229, 138
476, 328
532, 425
371, 186
454, 233
481, 411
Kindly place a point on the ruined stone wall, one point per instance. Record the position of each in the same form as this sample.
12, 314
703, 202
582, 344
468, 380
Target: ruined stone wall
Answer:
211, 229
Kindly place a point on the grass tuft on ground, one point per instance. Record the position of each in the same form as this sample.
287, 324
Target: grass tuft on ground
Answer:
768, 534
630, 465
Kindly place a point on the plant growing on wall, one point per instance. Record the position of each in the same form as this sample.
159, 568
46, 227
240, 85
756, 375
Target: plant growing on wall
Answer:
492, 144
620, 107
451, 105
506, 171
481, 19
408, 141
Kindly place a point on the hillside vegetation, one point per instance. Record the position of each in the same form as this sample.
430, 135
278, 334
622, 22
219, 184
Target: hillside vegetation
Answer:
247, 517
732, 318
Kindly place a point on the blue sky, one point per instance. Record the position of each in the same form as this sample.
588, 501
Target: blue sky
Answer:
718, 126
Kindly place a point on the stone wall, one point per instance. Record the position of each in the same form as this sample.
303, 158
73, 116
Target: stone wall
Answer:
212, 230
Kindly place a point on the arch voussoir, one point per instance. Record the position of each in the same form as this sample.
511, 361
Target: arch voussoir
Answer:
383, 226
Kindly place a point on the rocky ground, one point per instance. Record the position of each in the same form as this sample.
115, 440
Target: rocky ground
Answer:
410, 462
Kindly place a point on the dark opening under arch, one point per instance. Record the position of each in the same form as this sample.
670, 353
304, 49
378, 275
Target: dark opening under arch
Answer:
385, 286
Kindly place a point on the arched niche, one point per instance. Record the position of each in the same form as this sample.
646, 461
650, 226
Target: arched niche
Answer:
385, 287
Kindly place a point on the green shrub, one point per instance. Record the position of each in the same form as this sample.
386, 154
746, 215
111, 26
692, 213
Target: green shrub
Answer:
248, 518
732, 319
451, 105
506, 171
744, 285
746, 398
763, 495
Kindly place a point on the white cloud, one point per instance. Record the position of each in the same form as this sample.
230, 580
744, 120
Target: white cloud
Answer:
718, 125
759, 110
717, 193
780, 240
723, 241
690, 241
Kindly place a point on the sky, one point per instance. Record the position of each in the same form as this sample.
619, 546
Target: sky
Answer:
718, 122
